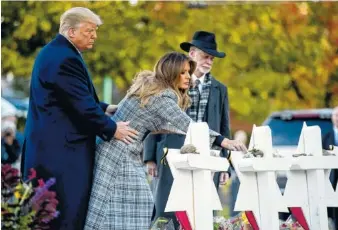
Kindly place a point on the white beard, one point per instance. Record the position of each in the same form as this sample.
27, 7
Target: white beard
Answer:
204, 70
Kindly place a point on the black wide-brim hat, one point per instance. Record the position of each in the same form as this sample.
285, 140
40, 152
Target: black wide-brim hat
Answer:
204, 41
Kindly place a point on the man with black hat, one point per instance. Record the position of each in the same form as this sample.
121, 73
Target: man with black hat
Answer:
209, 104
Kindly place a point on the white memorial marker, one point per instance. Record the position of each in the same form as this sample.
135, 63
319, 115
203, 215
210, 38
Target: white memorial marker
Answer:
258, 191
193, 189
308, 183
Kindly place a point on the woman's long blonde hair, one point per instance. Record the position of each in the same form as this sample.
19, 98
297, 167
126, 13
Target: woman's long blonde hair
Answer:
166, 75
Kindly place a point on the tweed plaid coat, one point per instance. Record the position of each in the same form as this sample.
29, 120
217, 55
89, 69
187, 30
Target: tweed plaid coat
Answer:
121, 198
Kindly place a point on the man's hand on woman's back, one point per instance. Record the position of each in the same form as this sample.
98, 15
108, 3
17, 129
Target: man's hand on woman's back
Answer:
125, 133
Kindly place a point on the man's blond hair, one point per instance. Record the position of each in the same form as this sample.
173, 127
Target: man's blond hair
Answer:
73, 17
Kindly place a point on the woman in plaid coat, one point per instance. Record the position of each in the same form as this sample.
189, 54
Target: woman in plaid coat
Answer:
120, 197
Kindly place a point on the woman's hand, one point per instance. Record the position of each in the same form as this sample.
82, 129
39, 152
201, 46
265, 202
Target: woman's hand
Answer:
152, 168
224, 178
233, 145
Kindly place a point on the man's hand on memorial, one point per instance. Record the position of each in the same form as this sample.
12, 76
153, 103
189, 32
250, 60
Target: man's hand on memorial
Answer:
233, 145
152, 168
125, 133
223, 178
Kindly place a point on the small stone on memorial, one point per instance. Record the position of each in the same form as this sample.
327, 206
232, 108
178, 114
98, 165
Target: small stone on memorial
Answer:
327, 153
256, 152
189, 148
299, 154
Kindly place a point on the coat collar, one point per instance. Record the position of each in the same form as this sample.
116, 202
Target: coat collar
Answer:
214, 83
63, 40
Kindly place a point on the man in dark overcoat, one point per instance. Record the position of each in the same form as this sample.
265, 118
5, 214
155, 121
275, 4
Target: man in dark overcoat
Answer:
65, 116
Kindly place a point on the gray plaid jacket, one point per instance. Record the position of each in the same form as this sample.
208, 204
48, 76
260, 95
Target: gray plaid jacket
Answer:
120, 197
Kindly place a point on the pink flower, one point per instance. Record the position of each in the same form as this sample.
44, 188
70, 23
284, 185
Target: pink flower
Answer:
32, 174
41, 183
9, 176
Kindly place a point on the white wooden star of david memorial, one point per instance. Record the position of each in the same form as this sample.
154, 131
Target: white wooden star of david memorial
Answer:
258, 191
193, 189
308, 184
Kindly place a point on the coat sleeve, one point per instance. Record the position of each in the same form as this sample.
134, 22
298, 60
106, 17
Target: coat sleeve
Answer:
327, 140
149, 148
73, 91
225, 120
225, 127
168, 110
103, 106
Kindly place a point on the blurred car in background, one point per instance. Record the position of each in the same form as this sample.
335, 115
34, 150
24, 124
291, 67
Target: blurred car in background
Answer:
286, 127
21, 104
16, 91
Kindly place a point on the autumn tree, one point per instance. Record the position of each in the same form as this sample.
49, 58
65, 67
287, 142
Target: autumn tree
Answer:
279, 55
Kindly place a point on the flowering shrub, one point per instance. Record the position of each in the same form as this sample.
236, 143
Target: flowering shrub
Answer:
24, 206
238, 222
